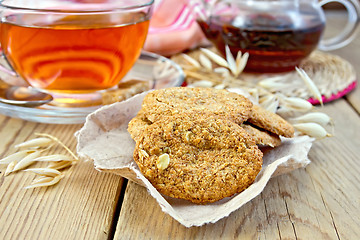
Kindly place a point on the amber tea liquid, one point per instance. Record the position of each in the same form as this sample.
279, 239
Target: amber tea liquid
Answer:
74, 54
275, 50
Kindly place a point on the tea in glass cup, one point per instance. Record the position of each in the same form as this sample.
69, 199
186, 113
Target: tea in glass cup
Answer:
74, 50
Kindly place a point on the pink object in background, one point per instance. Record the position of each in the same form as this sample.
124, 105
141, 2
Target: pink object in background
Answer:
335, 96
173, 29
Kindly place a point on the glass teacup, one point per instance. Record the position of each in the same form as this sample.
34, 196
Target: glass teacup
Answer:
277, 34
73, 49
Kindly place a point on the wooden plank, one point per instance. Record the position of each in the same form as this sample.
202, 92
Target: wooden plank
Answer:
278, 213
319, 202
336, 169
81, 206
351, 52
354, 98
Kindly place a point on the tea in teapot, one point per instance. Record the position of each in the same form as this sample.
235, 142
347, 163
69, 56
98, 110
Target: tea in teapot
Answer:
277, 34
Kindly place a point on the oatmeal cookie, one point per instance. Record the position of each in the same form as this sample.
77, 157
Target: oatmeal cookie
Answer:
124, 91
262, 137
271, 122
197, 158
137, 125
221, 103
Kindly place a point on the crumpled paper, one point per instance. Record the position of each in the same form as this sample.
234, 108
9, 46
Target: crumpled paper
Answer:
105, 140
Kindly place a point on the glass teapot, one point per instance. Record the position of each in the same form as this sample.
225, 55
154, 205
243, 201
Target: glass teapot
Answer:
277, 34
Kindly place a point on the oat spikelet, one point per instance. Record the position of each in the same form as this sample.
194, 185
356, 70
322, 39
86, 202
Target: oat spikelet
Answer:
266, 100
191, 60
254, 94
16, 156
205, 62
230, 59
223, 71
216, 58
49, 182
10, 167
35, 143
44, 171
59, 142
313, 117
272, 84
238, 58
163, 70
53, 158
60, 165
312, 130
220, 86
42, 179
202, 83
26, 161
243, 92
241, 64
310, 85
273, 106
297, 104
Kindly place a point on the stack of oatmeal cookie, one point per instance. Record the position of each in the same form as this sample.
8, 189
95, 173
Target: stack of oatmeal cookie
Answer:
201, 144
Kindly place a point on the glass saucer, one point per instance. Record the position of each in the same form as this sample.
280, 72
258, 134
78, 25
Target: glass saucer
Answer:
159, 71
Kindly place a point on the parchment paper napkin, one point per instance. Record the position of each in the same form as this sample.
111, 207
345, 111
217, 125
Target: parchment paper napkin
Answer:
104, 139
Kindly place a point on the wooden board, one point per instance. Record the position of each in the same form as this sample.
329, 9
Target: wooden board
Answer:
311, 203
336, 21
81, 206
319, 202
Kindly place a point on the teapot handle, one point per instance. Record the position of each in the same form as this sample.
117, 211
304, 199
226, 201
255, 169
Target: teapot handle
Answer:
349, 32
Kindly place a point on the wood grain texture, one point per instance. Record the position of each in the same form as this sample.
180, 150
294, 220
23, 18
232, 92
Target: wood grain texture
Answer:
335, 22
336, 167
81, 206
319, 202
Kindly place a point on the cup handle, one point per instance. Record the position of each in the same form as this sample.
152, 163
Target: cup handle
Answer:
349, 32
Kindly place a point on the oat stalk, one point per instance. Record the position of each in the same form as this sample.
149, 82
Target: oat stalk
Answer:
310, 85
59, 142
